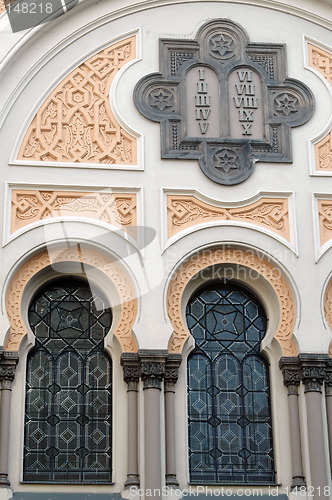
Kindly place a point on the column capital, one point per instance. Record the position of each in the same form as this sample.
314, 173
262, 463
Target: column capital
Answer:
313, 369
172, 366
152, 367
131, 369
291, 371
8, 362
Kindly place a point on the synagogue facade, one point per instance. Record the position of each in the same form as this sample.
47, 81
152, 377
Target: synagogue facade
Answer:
166, 260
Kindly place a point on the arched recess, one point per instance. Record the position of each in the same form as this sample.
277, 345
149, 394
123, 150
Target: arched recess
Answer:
207, 258
112, 271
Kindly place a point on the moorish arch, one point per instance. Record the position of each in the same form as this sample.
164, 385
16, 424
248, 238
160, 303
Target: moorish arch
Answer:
92, 258
212, 257
328, 309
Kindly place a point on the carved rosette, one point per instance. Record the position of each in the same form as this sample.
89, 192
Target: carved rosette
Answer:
184, 211
76, 123
122, 283
29, 206
243, 258
224, 101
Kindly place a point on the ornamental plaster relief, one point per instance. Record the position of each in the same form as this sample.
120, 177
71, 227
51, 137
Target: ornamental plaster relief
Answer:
207, 258
122, 283
29, 206
184, 211
328, 309
75, 123
325, 220
321, 61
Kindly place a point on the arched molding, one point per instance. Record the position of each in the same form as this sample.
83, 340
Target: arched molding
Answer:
113, 272
327, 302
246, 259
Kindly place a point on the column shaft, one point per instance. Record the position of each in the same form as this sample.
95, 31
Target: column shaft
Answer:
4, 430
295, 436
152, 442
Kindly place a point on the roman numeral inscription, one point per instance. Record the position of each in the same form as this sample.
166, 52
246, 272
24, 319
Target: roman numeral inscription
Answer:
203, 106
245, 96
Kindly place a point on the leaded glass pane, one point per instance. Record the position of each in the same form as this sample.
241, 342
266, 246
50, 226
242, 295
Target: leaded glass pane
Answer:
230, 431
68, 390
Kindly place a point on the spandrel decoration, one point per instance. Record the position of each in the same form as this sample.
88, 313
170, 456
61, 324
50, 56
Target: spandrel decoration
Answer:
224, 101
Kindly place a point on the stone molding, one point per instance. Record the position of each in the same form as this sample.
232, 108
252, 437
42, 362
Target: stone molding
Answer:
113, 271
29, 206
208, 258
184, 211
75, 123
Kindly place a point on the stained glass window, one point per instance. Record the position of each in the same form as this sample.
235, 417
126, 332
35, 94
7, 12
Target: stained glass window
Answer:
68, 414
230, 431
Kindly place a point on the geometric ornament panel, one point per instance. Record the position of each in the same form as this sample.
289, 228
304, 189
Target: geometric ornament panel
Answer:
229, 408
68, 409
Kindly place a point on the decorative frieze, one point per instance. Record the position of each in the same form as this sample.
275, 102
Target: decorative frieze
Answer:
213, 257
184, 211
323, 154
29, 206
321, 61
325, 220
76, 123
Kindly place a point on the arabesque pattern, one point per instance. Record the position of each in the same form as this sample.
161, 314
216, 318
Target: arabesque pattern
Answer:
208, 258
123, 285
321, 61
325, 220
184, 211
29, 206
76, 123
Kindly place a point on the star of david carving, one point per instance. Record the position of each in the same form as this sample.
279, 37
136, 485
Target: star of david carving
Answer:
224, 101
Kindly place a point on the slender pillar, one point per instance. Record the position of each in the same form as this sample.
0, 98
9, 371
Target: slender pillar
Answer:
313, 374
8, 364
328, 399
152, 373
130, 365
171, 375
292, 376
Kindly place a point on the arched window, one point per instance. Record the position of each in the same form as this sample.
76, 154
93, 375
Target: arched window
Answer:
230, 433
68, 414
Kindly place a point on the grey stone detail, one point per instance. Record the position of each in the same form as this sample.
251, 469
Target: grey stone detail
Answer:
152, 374
8, 362
291, 371
328, 399
313, 371
131, 372
152, 367
221, 94
171, 376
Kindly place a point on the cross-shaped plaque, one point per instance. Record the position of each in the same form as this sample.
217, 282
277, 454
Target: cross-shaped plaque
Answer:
224, 101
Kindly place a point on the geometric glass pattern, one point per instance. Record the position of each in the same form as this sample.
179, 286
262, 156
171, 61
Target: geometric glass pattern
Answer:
229, 409
68, 408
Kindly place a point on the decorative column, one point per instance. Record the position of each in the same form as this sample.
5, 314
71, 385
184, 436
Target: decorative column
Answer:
313, 375
171, 375
152, 373
8, 362
328, 399
291, 371
131, 371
